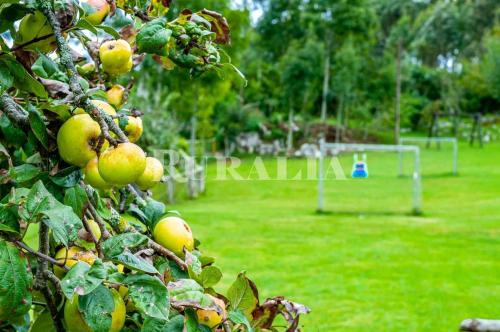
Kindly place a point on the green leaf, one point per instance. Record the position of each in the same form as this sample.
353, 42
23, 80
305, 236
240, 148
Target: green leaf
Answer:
96, 308
76, 197
154, 37
22, 79
210, 276
9, 222
243, 295
38, 126
43, 323
24, 173
64, 223
38, 200
6, 79
45, 67
110, 31
188, 290
82, 279
238, 317
68, 177
153, 211
175, 324
15, 282
133, 262
149, 294
10, 14
118, 243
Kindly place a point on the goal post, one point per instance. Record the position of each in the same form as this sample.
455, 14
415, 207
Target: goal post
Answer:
428, 140
337, 148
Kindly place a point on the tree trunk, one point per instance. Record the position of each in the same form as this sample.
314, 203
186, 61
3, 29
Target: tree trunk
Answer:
338, 128
397, 120
326, 82
289, 140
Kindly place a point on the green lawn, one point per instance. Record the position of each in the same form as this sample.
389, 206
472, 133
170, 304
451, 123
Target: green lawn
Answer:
367, 265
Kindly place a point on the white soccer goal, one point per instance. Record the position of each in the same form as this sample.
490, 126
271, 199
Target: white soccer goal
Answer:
428, 140
337, 148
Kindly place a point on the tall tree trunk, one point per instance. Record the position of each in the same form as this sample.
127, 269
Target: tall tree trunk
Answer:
397, 118
289, 140
338, 128
326, 81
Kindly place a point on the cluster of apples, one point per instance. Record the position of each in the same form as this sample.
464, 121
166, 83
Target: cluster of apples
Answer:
171, 232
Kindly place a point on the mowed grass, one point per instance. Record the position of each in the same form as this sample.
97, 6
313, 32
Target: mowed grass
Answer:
367, 264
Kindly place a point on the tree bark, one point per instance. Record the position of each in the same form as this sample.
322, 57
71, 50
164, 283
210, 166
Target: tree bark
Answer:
326, 80
397, 119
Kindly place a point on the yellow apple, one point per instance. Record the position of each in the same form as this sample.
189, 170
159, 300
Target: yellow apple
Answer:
110, 110
36, 25
86, 68
133, 129
174, 234
152, 174
77, 138
122, 164
72, 256
95, 229
212, 318
92, 176
76, 323
96, 10
116, 95
116, 57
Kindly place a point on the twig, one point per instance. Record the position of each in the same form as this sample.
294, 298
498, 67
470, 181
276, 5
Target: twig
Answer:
39, 254
13, 110
226, 326
167, 253
97, 218
55, 281
41, 275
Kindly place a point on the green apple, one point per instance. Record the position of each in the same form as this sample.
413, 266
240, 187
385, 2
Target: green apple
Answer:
122, 164
116, 57
152, 174
133, 129
76, 323
174, 234
77, 139
96, 10
92, 176
72, 255
36, 25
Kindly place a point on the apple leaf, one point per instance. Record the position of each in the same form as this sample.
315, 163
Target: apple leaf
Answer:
82, 279
10, 14
96, 308
22, 79
68, 177
63, 222
242, 295
24, 173
117, 244
154, 37
133, 262
38, 126
238, 317
188, 291
149, 295
15, 282
46, 68
43, 323
218, 24
76, 197
8, 219
210, 276
175, 324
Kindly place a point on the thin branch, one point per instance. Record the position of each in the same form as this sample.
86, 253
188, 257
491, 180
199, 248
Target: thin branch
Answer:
97, 218
49, 298
55, 281
167, 253
226, 326
39, 254
13, 110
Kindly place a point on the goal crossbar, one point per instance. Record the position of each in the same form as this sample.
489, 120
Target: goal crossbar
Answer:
428, 140
337, 148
